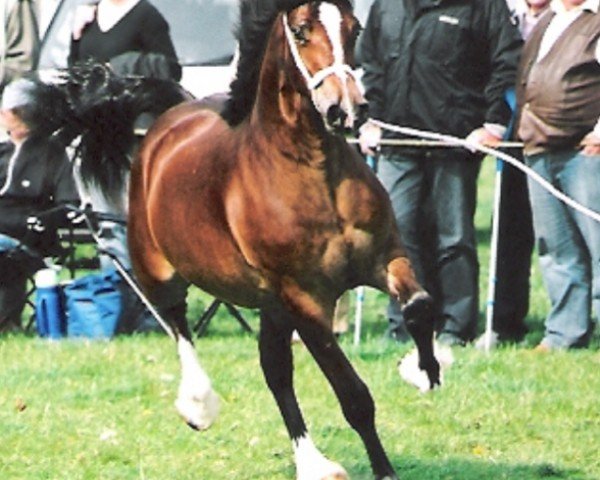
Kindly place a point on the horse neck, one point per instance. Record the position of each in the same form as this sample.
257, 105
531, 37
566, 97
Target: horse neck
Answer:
284, 115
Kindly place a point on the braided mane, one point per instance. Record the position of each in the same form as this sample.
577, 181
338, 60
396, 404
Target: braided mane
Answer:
255, 24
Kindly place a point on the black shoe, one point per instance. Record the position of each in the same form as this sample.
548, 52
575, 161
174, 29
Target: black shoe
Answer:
510, 329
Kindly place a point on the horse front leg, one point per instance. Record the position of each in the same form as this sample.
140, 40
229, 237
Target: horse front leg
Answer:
277, 365
418, 314
353, 394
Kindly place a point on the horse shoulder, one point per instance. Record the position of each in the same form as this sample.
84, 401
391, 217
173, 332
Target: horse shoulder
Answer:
361, 200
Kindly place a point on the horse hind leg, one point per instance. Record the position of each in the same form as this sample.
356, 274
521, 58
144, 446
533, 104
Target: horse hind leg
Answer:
418, 314
197, 403
277, 365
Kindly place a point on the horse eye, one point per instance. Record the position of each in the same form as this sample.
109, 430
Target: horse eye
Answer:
356, 31
300, 33
353, 36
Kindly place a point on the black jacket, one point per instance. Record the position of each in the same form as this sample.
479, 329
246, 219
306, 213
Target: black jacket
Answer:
40, 179
138, 44
440, 65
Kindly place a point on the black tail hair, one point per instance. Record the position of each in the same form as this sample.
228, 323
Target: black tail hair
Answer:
90, 101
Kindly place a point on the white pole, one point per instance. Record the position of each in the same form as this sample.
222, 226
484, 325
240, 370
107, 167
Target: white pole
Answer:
360, 298
492, 278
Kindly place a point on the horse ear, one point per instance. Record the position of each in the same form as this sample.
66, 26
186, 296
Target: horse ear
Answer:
289, 104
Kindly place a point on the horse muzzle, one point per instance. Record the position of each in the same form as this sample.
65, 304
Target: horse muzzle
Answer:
336, 119
340, 121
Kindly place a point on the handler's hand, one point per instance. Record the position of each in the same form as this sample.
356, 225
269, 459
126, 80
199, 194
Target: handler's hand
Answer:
591, 144
482, 136
369, 138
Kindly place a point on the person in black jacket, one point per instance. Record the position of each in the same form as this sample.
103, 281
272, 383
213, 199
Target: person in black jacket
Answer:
35, 176
442, 66
130, 35
515, 224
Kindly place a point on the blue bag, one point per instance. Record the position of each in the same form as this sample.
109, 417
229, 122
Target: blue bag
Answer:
93, 305
49, 314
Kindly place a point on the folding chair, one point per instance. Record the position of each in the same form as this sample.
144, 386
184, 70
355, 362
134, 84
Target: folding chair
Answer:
210, 312
92, 219
17, 264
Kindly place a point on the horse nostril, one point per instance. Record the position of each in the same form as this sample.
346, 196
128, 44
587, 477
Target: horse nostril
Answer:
333, 114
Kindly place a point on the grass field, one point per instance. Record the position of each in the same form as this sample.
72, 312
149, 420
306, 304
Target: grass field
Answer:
104, 410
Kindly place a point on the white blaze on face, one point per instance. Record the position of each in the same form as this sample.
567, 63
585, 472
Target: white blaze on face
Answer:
331, 19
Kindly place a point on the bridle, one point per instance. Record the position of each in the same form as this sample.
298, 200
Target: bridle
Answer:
337, 68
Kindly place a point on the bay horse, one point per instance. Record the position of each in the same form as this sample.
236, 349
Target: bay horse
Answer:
266, 206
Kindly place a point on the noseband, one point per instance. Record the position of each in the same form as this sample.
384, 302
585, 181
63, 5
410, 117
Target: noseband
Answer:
337, 68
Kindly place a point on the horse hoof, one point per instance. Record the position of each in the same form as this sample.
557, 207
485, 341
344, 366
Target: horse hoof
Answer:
425, 377
323, 470
199, 412
420, 305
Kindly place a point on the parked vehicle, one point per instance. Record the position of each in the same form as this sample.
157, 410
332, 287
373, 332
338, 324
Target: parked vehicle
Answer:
202, 32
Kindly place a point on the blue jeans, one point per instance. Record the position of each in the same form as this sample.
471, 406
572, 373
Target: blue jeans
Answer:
7, 243
568, 244
434, 199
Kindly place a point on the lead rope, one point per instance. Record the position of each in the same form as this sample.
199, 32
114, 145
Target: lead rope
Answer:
455, 141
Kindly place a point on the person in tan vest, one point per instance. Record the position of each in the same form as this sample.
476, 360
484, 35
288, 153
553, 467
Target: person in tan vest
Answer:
558, 92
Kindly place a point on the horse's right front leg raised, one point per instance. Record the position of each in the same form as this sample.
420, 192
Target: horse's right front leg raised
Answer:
417, 309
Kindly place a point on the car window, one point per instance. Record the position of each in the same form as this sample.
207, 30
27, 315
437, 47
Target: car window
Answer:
202, 31
361, 10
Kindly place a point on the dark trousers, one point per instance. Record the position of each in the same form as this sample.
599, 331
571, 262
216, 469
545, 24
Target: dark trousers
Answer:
13, 283
515, 247
434, 199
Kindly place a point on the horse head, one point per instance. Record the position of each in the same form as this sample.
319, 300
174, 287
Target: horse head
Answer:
321, 37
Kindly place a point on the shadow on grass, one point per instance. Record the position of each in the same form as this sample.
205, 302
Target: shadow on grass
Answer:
459, 469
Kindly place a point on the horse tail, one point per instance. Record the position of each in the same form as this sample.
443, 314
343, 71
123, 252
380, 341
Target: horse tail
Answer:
90, 102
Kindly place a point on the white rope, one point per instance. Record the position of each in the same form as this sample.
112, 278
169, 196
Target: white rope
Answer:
417, 142
449, 140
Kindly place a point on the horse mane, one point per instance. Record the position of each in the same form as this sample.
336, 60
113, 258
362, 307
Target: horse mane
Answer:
90, 101
254, 28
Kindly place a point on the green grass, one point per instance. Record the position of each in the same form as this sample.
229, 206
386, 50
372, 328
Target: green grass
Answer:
104, 410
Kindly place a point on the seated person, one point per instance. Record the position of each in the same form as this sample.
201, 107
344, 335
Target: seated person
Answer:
35, 176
